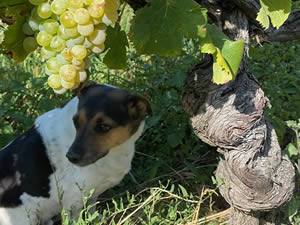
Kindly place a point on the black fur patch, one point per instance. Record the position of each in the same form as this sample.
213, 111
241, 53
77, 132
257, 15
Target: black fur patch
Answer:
24, 168
108, 100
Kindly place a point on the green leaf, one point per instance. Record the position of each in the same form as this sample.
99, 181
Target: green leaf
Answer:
214, 181
116, 43
7, 3
183, 190
263, 18
207, 45
292, 208
221, 70
277, 10
126, 18
160, 28
173, 140
178, 79
227, 54
232, 51
291, 150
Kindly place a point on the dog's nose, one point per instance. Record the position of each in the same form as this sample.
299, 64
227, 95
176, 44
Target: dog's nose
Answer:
73, 157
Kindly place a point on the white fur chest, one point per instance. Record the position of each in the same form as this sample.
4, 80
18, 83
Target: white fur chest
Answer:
69, 182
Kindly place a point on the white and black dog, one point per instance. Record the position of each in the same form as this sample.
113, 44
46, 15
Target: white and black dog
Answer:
88, 143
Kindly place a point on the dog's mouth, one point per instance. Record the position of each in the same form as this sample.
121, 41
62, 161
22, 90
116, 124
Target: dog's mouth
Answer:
85, 160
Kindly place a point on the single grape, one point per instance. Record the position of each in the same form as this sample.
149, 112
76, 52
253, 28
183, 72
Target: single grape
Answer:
98, 48
96, 21
33, 23
44, 10
61, 32
72, 32
29, 44
101, 26
62, 60
34, 14
53, 65
59, 6
75, 41
68, 73
87, 2
76, 62
50, 26
60, 91
87, 43
100, 2
54, 81
67, 19
96, 10
67, 84
79, 52
47, 52
82, 75
74, 4
43, 38
97, 37
47, 71
85, 30
110, 18
41, 28
110, 5
57, 43
36, 2
82, 16
67, 55
80, 66
27, 29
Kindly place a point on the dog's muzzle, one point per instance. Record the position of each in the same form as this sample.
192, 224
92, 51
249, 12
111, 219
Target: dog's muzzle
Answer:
73, 157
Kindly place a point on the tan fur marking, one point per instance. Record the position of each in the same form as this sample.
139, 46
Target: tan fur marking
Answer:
82, 119
116, 136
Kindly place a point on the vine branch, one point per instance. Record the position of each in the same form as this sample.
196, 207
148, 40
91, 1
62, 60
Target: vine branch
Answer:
289, 31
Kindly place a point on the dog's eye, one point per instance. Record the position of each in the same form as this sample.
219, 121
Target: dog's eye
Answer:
102, 128
75, 121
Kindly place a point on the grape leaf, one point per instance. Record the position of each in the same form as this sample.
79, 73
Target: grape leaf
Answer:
116, 44
222, 73
232, 51
263, 18
291, 150
160, 28
227, 54
126, 18
277, 10
207, 45
7, 3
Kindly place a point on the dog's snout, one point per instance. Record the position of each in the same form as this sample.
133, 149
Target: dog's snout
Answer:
73, 157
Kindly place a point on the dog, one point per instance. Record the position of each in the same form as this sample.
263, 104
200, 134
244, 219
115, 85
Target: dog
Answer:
86, 144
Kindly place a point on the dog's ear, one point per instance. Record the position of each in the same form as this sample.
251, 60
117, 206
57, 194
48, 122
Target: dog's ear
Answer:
86, 86
138, 106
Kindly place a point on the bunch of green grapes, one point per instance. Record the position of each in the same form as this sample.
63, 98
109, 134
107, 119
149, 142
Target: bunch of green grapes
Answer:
67, 32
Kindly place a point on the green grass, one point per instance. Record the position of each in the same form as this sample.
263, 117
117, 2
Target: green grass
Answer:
171, 177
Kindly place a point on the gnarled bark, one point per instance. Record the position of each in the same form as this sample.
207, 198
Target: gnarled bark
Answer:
256, 176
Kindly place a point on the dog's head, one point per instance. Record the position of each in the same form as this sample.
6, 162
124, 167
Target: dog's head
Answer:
106, 118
